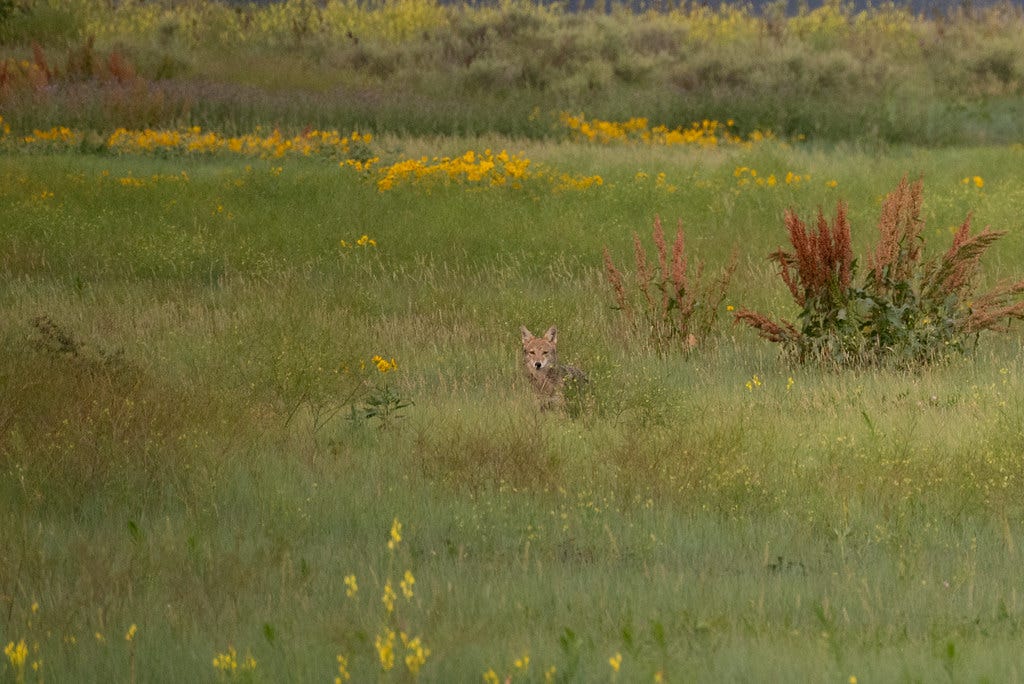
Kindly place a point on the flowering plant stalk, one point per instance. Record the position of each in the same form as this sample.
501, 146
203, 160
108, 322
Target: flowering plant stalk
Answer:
383, 403
672, 303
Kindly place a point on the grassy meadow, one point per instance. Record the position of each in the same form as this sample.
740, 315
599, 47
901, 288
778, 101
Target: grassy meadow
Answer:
261, 416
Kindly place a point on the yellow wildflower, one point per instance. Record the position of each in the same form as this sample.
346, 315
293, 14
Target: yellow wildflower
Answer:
343, 673
351, 588
615, 661
388, 598
385, 366
385, 645
406, 584
226, 662
17, 653
396, 532
130, 634
417, 655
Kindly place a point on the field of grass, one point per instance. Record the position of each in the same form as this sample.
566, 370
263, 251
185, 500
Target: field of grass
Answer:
261, 416
186, 337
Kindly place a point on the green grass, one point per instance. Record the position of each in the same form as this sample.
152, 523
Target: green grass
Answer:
183, 471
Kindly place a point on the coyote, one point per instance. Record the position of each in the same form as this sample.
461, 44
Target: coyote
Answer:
540, 363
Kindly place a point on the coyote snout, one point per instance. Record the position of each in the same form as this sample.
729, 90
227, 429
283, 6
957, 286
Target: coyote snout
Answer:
546, 375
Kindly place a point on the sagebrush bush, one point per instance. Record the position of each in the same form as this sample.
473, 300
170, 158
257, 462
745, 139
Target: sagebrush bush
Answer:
906, 308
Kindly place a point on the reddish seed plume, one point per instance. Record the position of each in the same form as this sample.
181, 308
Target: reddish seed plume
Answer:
643, 274
662, 249
844, 247
679, 261
615, 279
767, 328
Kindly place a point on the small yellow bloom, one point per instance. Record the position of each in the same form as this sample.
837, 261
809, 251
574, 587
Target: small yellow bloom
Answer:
226, 662
491, 677
522, 663
615, 661
343, 673
417, 656
385, 366
730, 307
351, 588
385, 645
396, 527
388, 598
17, 653
130, 634
406, 584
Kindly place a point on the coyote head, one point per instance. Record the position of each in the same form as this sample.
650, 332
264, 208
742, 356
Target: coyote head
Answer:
539, 353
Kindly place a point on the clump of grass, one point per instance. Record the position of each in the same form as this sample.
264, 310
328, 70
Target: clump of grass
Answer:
906, 308
82, 417
672, 304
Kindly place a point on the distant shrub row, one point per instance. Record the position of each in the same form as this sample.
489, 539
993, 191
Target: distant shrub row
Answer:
418, 66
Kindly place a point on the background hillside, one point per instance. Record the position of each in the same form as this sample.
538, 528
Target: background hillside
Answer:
834, 72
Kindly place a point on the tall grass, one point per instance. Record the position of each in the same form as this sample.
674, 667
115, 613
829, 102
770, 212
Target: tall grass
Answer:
165, 460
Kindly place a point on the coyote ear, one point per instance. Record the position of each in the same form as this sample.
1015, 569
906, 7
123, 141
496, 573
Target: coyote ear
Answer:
527, 335
551, 335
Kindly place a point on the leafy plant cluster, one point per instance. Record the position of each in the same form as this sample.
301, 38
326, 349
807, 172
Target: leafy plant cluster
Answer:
904, 307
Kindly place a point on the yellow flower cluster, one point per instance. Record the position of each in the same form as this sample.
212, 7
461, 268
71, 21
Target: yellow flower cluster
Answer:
58, 134
227, 663
388, 597
195, 140
385, 645
385, 366
17, 653
705, 133
747, 176
479, 170
396, 527
343, 673
416, 653
363, 241
976, 181
488, 168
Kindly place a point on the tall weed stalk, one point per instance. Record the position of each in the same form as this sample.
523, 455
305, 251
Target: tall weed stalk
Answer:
671, 303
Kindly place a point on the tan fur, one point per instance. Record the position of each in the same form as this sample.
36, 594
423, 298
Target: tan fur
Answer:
540, 364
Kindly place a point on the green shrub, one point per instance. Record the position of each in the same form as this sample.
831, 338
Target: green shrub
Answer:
906, 308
